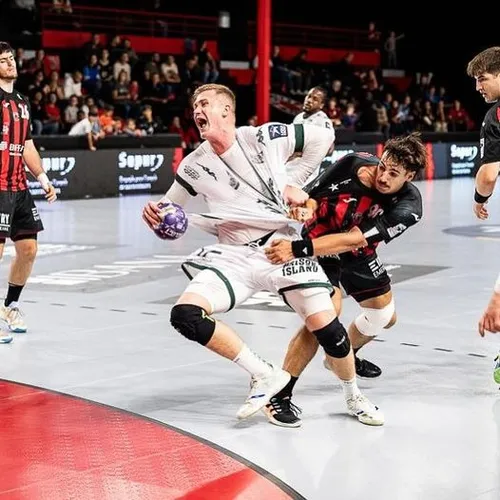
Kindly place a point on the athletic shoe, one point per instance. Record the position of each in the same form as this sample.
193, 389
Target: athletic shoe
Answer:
364, 368
5, 338
262, 389
367, 413
282, 412
13, 317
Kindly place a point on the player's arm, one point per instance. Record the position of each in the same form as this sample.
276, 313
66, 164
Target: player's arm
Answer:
179, 192
388, 226
282, 251
487, 174
313, 142
34, 163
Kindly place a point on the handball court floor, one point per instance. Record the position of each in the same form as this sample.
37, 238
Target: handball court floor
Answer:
102, 399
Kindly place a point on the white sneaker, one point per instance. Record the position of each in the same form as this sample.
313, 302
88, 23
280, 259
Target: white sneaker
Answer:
14, 318
367, 413
262, 389
5, 338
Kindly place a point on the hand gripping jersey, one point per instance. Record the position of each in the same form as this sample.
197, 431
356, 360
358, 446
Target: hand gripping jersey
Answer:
344, 202
243, 187
16, 130
490, 136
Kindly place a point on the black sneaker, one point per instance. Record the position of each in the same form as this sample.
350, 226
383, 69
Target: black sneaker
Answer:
366, 369
282, 412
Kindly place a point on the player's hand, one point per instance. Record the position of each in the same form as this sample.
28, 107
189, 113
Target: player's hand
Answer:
301, 214
280, 251
480, 210
294, 196
490, 320
151, 214
50, 193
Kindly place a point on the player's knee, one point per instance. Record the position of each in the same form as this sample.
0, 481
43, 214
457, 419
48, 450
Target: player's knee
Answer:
334, 339
192, 322
372, 321
392, 321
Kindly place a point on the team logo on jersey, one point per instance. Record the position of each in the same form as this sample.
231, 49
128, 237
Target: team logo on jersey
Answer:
298, 266
277, 131
207, 170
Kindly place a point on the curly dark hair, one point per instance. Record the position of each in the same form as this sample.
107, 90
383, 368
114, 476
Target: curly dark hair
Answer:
5, 47
408, 151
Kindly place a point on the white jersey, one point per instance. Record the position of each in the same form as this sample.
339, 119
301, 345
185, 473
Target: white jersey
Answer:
243, 187
320, 119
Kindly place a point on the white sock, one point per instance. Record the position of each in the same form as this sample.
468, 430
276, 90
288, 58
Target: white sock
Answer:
350, 388
252, 363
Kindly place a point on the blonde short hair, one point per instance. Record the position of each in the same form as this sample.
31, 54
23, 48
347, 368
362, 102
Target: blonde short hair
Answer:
219, 89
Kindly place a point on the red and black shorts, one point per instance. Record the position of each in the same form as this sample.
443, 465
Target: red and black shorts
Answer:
19, 217
361, 278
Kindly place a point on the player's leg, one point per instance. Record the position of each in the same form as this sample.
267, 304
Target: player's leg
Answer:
301, 350
370, 285
218, 287
305, 287
5, 338
25, 225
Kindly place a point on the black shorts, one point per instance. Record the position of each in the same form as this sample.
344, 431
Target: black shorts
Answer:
18, 215
362, 279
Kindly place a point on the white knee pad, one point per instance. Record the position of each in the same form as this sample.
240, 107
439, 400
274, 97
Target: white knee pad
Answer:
372, 321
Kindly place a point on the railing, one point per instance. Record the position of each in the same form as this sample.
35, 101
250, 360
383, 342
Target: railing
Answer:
131, 22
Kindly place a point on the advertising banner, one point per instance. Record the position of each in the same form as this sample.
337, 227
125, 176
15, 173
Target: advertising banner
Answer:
462, 159
109, 172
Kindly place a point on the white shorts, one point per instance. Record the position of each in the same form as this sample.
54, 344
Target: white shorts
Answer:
227, 275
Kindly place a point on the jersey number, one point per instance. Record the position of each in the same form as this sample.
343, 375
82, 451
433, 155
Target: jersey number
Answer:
23, 108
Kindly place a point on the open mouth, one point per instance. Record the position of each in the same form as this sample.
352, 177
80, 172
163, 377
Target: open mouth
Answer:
201, 123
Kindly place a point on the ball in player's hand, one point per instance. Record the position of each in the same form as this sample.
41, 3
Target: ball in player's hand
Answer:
174, 221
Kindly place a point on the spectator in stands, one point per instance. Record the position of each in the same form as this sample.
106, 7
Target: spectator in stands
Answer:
192, 75
373, 35
93, 46
148, 123
92, 76
37, 84
334, 112
73, 84
428, 119
62, 6
115, 49
131, 53
37, 63
154, 65
86, 104
176, 128
37, 113
86, 127
391, 50
122, 65
52, 120
131, 129
280, 74
107, 120
55, 85
458, 118
156, 93
301, 73
71, 112
441, 124
121, 95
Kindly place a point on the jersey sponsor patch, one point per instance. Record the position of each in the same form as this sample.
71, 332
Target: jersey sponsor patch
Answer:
277, 131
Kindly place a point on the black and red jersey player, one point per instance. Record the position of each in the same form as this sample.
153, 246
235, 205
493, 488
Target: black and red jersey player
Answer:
19, 217
485, 69
355, 204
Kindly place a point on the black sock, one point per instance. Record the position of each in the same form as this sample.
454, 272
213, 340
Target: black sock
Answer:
286, 392
13, 294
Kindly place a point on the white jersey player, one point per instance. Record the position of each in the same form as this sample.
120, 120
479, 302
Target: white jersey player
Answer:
241, 174
313, 114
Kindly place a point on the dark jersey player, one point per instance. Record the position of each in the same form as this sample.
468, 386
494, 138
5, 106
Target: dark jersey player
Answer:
355, 204
485, 68
19, 217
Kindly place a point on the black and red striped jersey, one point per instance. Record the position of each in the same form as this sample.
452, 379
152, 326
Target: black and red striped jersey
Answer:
345, 202
16, 130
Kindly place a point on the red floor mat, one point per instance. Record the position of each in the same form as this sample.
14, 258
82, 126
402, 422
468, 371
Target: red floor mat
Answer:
55, 447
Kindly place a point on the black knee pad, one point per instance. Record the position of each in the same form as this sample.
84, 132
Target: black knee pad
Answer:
192, 322
334, 339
